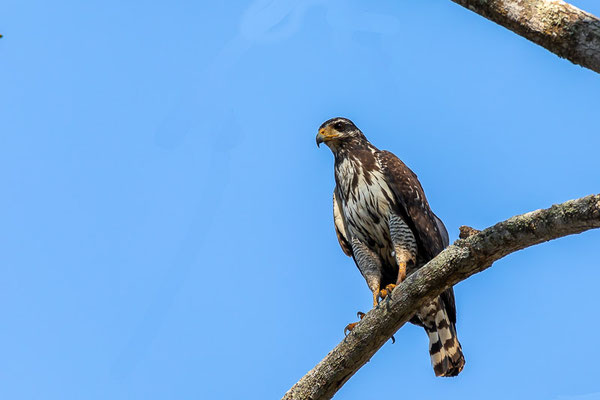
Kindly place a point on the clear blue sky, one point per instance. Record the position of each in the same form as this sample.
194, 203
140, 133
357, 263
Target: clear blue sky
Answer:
166, 216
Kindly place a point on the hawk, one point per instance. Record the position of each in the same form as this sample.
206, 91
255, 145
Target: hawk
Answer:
383, 221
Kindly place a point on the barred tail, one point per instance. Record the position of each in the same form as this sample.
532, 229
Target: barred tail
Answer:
446, 354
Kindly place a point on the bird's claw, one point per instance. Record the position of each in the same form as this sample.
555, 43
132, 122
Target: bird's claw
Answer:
361, 315
383, 293
351, 326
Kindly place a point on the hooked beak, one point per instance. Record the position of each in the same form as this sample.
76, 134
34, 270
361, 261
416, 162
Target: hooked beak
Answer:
319, 139
325, 135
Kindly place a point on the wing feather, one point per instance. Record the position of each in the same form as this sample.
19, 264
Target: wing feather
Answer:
410, 198
429, 230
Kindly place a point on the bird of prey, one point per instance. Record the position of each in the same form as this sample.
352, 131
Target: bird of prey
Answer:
383, 221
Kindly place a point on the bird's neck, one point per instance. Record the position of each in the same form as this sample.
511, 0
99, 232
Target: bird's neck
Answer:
351, 162
351, 148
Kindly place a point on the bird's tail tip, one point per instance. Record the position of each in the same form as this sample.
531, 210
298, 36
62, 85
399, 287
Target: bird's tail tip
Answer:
446, 353
447, 357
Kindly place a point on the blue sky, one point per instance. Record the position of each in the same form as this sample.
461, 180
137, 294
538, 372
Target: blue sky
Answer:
167, 231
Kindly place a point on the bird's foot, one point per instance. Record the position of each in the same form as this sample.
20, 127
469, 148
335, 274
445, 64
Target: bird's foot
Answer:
351, 326
383, 293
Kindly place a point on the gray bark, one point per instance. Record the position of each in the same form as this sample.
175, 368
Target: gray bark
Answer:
456, 263
560, 27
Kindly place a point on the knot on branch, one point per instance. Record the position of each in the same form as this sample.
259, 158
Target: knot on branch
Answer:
467, 231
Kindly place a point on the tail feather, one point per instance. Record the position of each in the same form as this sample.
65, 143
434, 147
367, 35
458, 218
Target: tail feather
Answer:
446, 353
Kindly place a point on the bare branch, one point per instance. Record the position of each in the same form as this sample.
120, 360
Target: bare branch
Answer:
560, 27
456, 263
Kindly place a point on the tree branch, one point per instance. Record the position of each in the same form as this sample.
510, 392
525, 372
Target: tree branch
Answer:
456, 263
560, 27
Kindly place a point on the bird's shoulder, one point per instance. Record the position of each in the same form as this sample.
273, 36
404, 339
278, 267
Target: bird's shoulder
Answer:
400, 175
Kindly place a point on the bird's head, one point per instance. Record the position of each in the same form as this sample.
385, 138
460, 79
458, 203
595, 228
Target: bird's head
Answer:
337, 131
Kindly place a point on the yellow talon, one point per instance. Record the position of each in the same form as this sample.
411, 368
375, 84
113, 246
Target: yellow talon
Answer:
383, 293
351, 326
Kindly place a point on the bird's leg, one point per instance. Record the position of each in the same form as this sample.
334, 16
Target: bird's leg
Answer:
403, 257
401, 272
405, 245
383, 293
369, 264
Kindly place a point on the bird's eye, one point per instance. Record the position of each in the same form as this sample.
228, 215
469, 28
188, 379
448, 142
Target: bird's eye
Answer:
338, 126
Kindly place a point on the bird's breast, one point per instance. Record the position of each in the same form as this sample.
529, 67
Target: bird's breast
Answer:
366, 204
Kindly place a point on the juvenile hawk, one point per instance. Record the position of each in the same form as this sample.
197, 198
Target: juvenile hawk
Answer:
383, 221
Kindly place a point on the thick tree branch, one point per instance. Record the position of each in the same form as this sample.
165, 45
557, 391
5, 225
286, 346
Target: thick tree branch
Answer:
456, 263
560, 27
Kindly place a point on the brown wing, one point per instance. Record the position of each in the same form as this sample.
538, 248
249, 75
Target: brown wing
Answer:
429, 230
340, 226
410, 198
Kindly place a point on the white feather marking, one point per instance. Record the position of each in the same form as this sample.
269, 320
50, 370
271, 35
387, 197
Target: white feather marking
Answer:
444, 333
